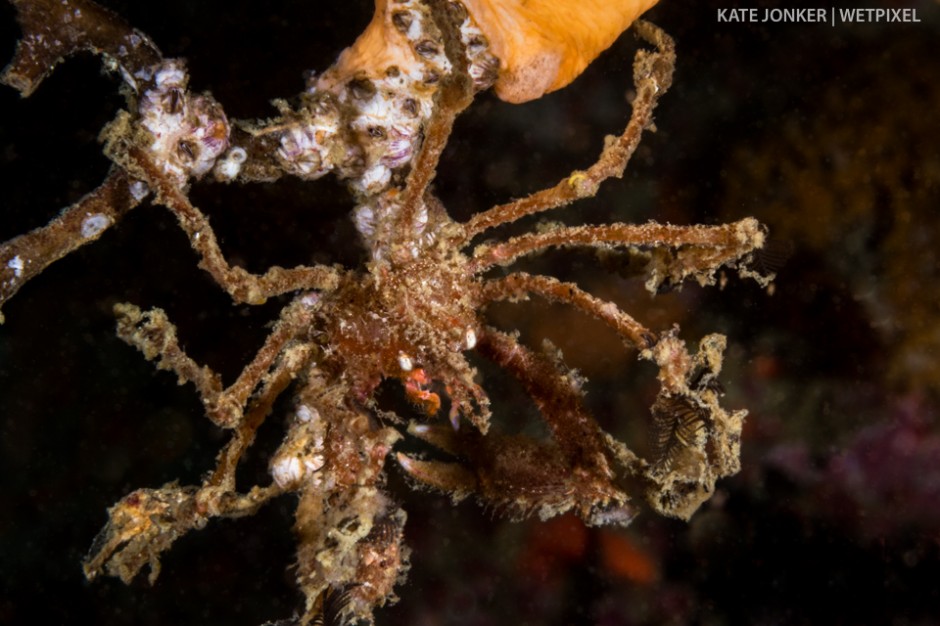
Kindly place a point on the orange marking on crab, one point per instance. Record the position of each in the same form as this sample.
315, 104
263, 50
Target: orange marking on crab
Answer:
415, 382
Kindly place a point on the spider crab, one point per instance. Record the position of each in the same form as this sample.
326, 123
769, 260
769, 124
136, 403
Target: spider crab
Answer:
413, 313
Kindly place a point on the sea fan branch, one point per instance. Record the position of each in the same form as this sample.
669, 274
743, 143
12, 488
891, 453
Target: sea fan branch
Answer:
53, 30
26, 256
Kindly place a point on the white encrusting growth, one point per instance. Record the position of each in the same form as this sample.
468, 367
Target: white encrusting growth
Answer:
376, 103
300, 457
94, 224
470, 339
230, 165
307, 414
189, 132
139, 190
16, 264
287, 470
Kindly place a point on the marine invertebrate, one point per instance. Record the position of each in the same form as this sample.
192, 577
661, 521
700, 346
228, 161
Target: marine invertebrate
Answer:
411, 314
543, 45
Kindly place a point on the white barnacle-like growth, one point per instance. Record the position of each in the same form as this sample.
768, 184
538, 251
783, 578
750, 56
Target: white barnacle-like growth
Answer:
483, 66
230, 165
363, 118
94, 224
306, 145
372, 221
387, 81
306, 414
16, 264
364, 219
287, 470
189, 132
300, 457
139, 190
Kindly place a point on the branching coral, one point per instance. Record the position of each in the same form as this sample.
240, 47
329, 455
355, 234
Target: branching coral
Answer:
380, 119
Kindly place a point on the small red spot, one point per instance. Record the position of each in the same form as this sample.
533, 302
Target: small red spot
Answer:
553, 545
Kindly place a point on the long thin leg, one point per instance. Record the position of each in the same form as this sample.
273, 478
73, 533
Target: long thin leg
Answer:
456, 93
652, 73
517, 286
560, 403
715, 245
155, 336
239, 283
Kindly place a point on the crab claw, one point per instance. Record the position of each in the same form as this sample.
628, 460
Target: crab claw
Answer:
452, 478
440, 437
516, 476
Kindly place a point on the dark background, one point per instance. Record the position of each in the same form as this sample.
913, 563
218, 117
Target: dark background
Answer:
828, 135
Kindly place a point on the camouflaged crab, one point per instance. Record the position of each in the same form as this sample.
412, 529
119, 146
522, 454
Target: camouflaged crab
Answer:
380, 120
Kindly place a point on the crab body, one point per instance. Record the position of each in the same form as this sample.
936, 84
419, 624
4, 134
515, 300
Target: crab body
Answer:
415, 316
412, 313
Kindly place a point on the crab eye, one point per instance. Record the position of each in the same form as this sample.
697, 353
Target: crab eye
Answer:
470, 339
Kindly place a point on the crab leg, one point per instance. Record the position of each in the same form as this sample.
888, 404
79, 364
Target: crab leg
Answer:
717, 245
155, 336
455, 95
652, 73
517, 287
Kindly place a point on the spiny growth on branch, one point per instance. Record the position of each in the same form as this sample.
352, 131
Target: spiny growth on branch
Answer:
379, 119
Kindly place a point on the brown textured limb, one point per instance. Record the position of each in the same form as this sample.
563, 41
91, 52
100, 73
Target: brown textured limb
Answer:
515, 475
454, 96
155, 336
517, 286
26, 256
557, 397
715, 245
53, 30
146, 522
273, 384
451, 478
227, 409
441, 437
241, 285
652, 72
